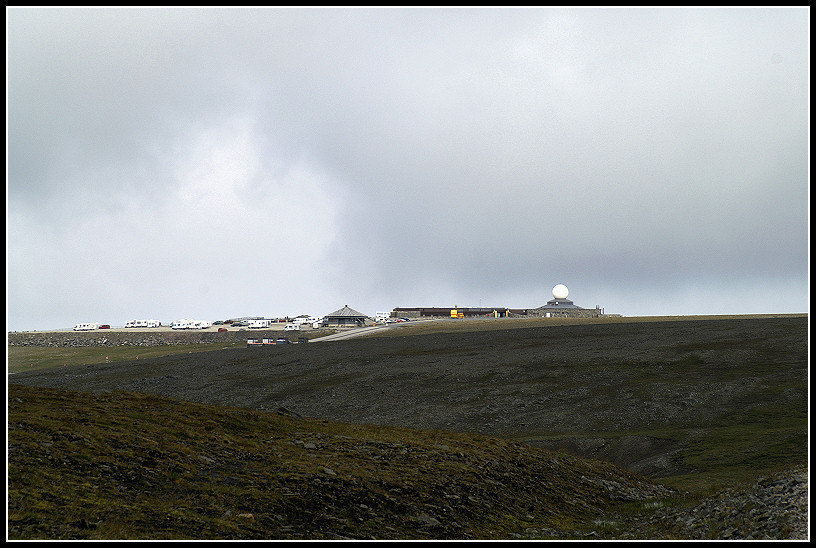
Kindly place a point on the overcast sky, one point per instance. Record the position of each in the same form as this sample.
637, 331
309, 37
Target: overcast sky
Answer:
217, 163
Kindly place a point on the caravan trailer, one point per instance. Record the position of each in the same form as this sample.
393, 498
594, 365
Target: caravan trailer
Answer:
86, 326
136, 323
191, 324
143, 323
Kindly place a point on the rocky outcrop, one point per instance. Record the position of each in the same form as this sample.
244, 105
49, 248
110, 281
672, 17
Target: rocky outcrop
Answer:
774, 508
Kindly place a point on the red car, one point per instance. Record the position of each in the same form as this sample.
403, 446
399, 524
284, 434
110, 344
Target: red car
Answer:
104, 326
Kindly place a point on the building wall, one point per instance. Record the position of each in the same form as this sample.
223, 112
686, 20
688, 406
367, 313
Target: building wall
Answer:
438, 312
345, 321
566, 312
541, 312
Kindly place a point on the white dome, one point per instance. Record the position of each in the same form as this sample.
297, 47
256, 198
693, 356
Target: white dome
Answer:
560, 291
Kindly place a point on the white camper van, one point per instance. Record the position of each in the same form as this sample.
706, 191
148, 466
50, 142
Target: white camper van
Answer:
381, 317
86, 326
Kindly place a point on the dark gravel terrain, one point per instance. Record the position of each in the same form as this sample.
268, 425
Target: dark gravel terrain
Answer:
580, 388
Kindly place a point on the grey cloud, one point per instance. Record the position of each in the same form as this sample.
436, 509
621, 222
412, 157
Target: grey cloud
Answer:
450, 151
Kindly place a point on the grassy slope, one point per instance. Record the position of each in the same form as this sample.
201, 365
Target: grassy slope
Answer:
131, 466
27, 358
190, 479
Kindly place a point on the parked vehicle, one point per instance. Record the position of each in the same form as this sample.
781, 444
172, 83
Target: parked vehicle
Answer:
181, 324
143, 323
86, 326
259, 324
222, 329
104, 326
292, 327
381, 317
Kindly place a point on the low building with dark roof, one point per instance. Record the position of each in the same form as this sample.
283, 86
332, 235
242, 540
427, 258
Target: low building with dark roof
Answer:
346, 317
559, 307
565, 308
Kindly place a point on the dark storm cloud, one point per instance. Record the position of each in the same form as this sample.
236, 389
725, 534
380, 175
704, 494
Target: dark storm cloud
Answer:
653, 160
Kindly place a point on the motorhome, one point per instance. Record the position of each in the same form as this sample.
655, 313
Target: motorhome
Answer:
86, 326
259, 324
292, 327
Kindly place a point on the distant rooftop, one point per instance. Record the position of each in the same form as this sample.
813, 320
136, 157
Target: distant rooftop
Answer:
559, 303
346, 312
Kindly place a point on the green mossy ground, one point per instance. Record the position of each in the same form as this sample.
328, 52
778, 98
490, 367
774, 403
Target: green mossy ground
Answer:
131, 466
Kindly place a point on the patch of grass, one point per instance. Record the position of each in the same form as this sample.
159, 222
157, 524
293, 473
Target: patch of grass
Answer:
760, 442
30, 358
112, 466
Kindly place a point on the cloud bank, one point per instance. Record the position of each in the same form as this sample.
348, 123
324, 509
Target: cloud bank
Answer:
214, 163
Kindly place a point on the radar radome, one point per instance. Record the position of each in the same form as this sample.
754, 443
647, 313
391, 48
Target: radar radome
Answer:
560, 291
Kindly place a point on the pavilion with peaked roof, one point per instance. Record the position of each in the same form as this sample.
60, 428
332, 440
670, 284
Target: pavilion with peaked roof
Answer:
346, 317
